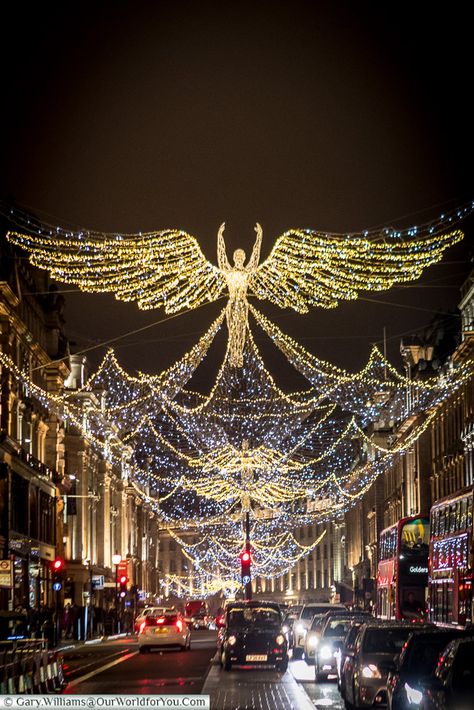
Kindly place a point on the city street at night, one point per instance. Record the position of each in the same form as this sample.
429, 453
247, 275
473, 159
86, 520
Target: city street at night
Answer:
236, 356
117, 667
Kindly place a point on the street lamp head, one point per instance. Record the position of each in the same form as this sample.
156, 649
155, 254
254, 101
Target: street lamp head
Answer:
116, 559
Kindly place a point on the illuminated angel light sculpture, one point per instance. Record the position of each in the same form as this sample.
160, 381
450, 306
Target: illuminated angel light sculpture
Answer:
237, 280
167, 268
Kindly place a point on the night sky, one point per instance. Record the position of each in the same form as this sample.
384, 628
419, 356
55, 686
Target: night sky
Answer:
340, 117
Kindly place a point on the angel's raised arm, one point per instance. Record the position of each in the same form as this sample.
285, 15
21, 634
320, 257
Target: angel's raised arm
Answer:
255, 258
222, 260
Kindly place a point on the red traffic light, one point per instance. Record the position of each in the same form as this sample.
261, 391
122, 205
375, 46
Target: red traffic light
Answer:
245, 556
123, 579
58, 564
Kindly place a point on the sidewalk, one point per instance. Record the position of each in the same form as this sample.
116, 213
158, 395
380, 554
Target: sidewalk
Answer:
254, 690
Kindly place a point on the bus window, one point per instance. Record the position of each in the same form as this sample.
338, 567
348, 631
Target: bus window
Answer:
415, 538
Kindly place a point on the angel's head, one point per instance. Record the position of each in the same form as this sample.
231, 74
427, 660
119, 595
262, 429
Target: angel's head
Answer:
239, 258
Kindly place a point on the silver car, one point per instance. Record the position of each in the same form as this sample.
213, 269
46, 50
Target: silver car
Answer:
333, 633
312, 637
303, 622
366, 669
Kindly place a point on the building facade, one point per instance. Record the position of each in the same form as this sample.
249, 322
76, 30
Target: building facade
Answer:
31, 436
434, 474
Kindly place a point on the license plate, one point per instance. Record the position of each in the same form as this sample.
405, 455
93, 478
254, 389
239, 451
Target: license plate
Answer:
256, 658
160, 631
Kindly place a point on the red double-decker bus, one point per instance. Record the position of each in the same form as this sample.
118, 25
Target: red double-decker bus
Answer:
402, 574
451, 560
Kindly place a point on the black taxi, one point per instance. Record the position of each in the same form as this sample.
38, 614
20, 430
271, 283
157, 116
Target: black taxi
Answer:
253, 636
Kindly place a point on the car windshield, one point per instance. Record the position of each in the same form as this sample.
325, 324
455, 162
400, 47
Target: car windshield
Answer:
337, 627
261, 616
309, 611
386, 640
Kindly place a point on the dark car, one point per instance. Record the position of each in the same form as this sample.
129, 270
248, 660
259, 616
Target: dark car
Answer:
200, 620
366, 669
253, 635
347, 648
451, 687
416, 665
333, 632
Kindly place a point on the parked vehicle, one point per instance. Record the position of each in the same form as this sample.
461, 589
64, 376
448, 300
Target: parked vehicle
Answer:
346, 649
312, 637
304, 620
154, 610
253, 636
366, 669
416, 665
200, 621
402, 574
333, 632
288, 626
451, 574
196, 614
169, 629
451, 687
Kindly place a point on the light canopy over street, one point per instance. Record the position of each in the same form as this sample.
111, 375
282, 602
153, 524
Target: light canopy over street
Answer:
236, 355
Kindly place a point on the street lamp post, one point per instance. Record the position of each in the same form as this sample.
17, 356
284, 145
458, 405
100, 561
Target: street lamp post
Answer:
116, 560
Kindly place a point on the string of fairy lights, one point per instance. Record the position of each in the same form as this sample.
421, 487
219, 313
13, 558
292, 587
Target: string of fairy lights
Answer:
202, 461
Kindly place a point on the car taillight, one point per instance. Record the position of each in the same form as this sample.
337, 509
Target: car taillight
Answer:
161, 620
179, 625
142, 627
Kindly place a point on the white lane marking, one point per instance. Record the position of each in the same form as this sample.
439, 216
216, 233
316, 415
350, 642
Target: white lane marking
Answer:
93, 663
75, 682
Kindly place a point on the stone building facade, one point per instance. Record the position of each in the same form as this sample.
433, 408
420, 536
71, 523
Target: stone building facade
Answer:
61, 496
440, 462
31, 437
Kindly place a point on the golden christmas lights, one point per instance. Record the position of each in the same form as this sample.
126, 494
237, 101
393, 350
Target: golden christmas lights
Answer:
167, 268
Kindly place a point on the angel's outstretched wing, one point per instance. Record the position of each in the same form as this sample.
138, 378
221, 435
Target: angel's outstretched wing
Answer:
307, 268
165, 268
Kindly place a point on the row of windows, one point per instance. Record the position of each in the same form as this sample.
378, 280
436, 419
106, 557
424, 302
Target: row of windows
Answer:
452, 517
32, 511
388, 544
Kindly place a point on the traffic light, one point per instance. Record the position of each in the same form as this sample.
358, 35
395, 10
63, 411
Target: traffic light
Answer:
57, 567
245, 562
123, 581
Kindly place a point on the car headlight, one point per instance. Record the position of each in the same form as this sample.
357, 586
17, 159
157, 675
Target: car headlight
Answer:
371, 671
280, 639
232, 640
300, 628
325, 652
285, 629
414, 696
313, 640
